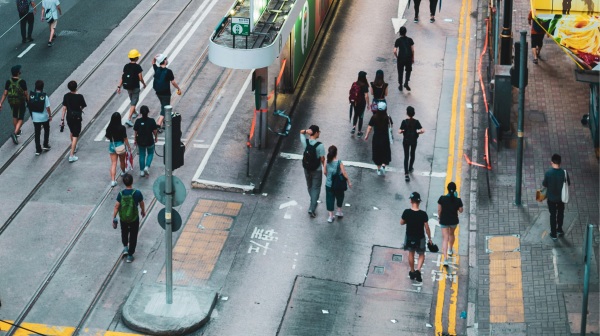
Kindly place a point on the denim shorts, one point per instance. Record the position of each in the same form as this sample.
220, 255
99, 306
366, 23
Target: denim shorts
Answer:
112, 145
453, 226
134, 96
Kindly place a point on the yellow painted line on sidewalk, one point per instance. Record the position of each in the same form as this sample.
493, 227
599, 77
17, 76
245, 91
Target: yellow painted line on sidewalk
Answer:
506, 280
198, 248
454, 166
38, 328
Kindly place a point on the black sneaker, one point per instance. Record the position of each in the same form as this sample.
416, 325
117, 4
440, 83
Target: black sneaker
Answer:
400, 88
29, 39
406, 86
353, 130
50, 44
23, 41
19, 133
411, 275
312, 214
553, 236
14, 138
46, 148
160, 130
410, 170
37, 153
418, 276
360, 134
560, 232
406, 178
416, 20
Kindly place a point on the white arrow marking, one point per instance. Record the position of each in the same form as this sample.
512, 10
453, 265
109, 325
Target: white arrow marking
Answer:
398, 21
287, 204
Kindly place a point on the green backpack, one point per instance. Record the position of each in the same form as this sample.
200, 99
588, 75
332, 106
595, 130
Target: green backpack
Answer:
128, 211
15, 93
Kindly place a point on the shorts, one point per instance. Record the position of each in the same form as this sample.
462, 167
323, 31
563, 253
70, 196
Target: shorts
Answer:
164, 101
112, 145
18, 111
134, 96
537, 40
74, 127
415, 245
53, 24
448, 226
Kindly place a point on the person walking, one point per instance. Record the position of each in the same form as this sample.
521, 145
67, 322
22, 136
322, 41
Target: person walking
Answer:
449, 206
146, 135
380, 124
411, 128
379, 88
333, 168
313, 161
432, 8
73, 105
554, 179
537, 37
15, 89
41, 115
126, 207
130, 81
163, 79
26, 9
404, 51
118, 146
50, 13
414, 240
359, 96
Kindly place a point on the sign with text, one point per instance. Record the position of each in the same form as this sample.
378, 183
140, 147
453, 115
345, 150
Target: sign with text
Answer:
240, 26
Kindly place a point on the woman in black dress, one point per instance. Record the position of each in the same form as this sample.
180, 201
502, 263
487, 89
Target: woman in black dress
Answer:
380, 123
379, 88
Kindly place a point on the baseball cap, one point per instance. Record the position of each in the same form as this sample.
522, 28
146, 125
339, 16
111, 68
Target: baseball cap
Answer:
160, 58
415, 197
15, 70
314, 129
381, 106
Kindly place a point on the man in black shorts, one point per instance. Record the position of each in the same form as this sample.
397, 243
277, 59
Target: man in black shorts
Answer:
537, 37
414, 241
15, 90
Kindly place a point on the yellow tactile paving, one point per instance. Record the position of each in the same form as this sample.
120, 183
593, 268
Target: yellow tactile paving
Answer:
44, 329
201, 241
506, 280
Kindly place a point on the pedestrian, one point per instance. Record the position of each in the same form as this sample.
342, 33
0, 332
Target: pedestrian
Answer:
73, 105
359, 96
411, 128
449, 206
414, 240
41, 115
333, 168
404, 51
26, 9
146, 135
537, 37
313, 161
432, 7
130, 81
126, 207
379, 88
15, 90
118, 146
50, 13
566, 7
163, 78
554, 180
380, 123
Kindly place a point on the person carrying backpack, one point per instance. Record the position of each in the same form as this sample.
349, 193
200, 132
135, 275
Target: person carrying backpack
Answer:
146, 136
41, 115
50, 12
130, 81
15, 90
26, 9
126, 207
313, 161
358, 97
404, 51
411, 128
163, 78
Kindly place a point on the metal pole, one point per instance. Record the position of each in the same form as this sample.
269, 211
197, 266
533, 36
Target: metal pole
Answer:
506, 35
523, 56
275, 94
496, 32
586, 277
169, 203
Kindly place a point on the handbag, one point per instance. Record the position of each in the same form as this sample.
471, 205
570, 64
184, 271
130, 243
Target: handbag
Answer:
433, 247
390, 130
540, 194
374, 106
338, 180
120, 149
564, 195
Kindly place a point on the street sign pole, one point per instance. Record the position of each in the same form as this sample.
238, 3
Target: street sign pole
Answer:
169, 203
521, 122
586, 277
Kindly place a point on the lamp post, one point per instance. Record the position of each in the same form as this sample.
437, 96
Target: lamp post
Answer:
506, 35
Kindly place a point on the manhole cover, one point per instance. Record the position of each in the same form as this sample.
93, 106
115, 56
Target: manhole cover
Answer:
378, 269
397, 257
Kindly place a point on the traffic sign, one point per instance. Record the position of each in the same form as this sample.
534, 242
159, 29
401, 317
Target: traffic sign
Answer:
240, 26
179, 191
175, 219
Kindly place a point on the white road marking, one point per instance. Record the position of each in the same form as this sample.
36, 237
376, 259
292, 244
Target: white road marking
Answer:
26, 50
291, 156
287, 204
203, 10
432, 224
202, 146
224, 185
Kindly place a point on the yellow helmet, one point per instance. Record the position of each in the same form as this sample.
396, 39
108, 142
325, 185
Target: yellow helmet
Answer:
133, 53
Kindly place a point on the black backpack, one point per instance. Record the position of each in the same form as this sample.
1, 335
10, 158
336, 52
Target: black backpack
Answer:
161, 84
130, 79
310, 160
23, 6
37, 101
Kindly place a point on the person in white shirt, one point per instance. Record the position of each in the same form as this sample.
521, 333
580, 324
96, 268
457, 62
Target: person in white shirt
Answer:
50, 12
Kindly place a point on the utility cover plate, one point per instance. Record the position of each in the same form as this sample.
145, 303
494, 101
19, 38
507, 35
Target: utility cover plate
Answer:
175, 219
179, 192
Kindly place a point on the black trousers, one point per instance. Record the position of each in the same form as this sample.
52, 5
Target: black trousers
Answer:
26, 20
359, 114
417, 4
432, 6
129, 233
404, 66
38, 129
557, 214
409, 151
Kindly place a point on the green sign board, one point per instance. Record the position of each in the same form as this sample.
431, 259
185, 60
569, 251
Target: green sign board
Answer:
240, 26
304, 37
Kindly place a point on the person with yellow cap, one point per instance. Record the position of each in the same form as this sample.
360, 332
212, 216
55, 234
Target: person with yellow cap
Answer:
130, 81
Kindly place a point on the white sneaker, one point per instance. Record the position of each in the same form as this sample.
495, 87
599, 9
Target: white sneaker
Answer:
450, 252
73, 159
129, 123
147, 170
382, 170
113, 183
379, 172
142, 173
330, 219
339, 214
134, 115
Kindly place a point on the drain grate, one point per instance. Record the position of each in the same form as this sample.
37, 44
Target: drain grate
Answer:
378, 269
397, 257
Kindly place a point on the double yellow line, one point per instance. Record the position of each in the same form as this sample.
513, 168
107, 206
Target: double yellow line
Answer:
454, 166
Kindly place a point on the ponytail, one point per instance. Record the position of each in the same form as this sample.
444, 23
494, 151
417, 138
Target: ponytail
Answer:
452, 191
331, 153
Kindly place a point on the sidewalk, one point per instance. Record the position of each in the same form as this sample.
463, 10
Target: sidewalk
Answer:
552, 272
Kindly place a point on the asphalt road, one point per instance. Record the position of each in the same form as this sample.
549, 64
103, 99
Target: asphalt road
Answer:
83, 26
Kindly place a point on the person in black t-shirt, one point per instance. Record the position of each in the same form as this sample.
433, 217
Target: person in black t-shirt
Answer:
130, 80
17, 100
73, 103
411, 128
162, 77
116, 133
404, 51
146, 135
414, 241
449, 206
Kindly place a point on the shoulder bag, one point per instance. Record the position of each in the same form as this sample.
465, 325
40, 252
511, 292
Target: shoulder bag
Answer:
120, 149
564, 195
338, 180
390, 130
